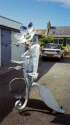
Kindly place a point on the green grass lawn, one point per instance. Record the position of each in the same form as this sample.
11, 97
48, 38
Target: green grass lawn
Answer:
65, 46
68, 48
41, 47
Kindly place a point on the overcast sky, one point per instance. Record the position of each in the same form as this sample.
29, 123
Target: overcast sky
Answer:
37, 11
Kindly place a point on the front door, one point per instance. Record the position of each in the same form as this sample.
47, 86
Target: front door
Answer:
5, 46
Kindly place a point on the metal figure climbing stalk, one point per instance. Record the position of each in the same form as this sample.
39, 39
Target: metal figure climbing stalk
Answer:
29, 63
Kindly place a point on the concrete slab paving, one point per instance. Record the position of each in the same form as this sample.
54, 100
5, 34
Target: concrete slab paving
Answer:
53, 75
5, 69
57, 80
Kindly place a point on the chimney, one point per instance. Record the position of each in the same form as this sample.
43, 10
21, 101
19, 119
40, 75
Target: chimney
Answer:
48, 25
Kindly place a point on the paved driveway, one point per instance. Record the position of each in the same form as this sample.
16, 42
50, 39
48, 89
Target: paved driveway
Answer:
56, 77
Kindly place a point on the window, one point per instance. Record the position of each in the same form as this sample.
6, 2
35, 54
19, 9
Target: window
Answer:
68, 41
53, 32
60, 41
56, 41
52, 46
34, 39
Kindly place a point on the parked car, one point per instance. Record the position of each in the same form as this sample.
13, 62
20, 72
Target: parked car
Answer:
52, 51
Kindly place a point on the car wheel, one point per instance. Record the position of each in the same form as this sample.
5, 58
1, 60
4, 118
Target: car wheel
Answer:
43, 58
59, 59
62, 56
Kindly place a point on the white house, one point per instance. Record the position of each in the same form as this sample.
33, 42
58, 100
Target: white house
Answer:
8, 28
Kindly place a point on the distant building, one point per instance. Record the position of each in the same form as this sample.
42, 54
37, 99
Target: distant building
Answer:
8, 28
59, 33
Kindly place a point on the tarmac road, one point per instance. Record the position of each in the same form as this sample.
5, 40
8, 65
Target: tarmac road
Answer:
53, 74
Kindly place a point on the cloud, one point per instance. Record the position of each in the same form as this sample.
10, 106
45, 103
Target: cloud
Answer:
65, 2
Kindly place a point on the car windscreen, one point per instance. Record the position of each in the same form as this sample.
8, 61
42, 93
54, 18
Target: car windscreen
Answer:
51, 46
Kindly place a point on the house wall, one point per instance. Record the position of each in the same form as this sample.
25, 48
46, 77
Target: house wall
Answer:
0, 46
16, 52
60, 41
36, 38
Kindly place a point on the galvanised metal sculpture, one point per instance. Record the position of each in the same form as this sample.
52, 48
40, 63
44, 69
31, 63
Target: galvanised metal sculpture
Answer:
22, 86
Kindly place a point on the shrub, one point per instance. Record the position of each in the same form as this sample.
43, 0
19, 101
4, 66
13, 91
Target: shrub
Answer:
47, 39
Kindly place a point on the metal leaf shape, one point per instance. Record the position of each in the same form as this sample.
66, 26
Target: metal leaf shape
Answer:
48, 98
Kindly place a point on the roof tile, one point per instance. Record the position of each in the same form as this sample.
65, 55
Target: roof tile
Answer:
59, 31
